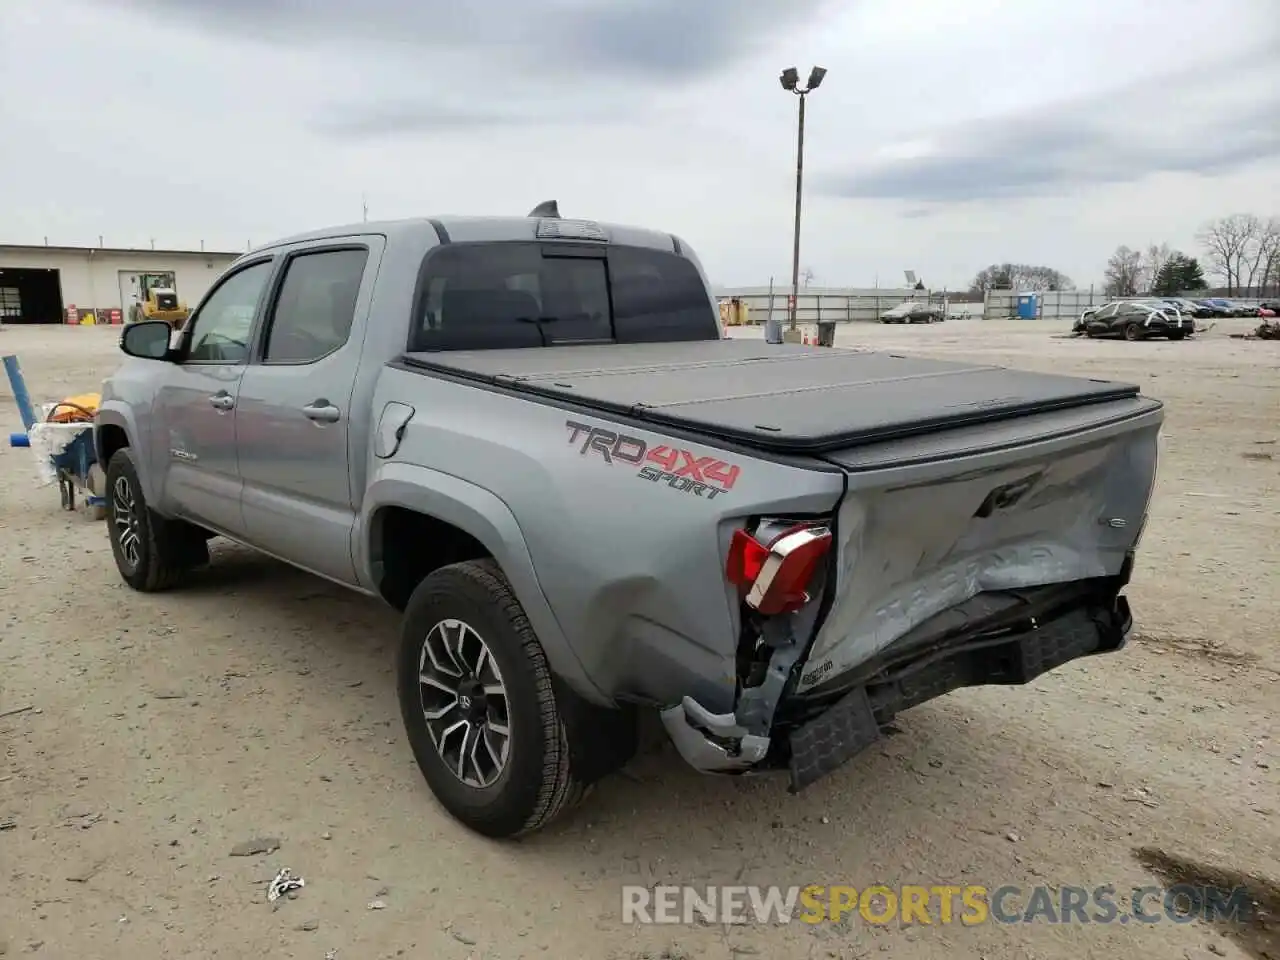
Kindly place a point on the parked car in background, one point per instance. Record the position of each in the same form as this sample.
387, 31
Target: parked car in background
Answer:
1134, 320
1215, 308
1230, 308
913, 311
1189, 308
1269, 308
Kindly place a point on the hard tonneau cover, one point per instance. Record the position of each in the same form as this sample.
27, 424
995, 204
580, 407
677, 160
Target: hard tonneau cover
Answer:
787, 399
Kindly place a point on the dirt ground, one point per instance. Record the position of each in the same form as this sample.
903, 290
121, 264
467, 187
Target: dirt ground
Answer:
145, 737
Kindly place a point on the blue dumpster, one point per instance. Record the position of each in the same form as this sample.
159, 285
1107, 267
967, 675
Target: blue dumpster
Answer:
1028, 306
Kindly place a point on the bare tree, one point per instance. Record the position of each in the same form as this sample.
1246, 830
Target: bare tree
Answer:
1229, 245
995, 277
1270, 245
806, 276
1157, 256
1258, 255
1043, 278
1019, 276
1124, 273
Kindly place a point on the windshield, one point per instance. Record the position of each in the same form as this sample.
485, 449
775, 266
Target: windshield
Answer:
484, 296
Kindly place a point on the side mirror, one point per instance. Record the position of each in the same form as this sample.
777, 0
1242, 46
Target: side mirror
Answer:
148, 340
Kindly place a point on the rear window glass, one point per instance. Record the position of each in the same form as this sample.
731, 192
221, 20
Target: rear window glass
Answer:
495, 295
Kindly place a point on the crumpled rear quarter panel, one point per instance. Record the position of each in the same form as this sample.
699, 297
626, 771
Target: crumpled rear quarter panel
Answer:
633, 568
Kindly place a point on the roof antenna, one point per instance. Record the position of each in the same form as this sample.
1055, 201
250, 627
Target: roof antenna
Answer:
548, 209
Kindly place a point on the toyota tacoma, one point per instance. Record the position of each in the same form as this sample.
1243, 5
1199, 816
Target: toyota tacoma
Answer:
531, 436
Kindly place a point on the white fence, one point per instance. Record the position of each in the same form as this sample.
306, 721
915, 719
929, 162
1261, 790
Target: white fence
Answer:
1060, 304
1049, 305
848, 304
842, 304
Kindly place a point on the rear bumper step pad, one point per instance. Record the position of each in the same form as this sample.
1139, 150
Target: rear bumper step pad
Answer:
853, 723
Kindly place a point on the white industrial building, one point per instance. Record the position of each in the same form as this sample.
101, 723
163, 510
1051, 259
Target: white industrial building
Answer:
44, 284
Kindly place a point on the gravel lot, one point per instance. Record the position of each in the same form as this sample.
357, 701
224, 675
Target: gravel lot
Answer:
164, 730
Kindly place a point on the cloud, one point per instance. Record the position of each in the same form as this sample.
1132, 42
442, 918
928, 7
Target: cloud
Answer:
657, 41
501, 63
1179, 123
284, 115
409, 118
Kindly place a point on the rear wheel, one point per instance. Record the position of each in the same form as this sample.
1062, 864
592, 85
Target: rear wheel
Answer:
1133, 331
151, 552
478, 704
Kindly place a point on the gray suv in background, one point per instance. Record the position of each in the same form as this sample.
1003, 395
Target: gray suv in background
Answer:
529, 435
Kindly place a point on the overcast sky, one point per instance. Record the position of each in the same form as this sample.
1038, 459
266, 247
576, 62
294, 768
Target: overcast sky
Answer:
946, 135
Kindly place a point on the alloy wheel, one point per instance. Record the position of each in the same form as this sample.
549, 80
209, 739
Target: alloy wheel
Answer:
124, 515
464, 702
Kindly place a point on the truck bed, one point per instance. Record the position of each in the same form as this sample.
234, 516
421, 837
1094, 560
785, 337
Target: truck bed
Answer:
784, 399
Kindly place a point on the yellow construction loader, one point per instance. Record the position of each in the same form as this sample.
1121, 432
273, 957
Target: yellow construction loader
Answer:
158, 300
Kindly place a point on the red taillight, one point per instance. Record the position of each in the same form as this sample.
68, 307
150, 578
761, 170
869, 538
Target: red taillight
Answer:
746, 559
774, 578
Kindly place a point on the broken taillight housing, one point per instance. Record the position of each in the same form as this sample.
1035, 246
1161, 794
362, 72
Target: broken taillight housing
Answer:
774, 577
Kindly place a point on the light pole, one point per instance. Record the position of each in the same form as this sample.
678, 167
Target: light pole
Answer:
790, 80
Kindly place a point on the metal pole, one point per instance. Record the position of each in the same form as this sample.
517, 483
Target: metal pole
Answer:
772, 325
795, 249
21, 399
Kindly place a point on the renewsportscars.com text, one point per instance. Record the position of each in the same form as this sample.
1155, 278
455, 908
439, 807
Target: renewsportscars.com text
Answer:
944, 904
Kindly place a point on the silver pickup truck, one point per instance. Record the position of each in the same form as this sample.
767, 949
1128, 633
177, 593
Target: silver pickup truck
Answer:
530, 435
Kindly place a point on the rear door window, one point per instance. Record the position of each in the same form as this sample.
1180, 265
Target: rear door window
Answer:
316, 305
493, 295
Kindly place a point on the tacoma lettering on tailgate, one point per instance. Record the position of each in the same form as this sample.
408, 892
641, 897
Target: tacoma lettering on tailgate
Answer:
681, 470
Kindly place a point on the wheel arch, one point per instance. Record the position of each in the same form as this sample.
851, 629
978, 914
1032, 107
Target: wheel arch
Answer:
114, 429
405, 505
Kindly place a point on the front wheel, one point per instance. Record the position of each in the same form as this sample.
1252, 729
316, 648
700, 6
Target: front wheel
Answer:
478, 705
152, 553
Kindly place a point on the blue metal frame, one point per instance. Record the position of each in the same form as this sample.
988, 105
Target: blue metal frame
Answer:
73, 463
20, 395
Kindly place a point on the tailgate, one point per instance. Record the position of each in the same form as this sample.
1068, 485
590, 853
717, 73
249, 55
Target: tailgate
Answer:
931, 521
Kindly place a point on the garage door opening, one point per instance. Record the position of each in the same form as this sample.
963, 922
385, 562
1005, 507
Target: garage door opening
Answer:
30, 295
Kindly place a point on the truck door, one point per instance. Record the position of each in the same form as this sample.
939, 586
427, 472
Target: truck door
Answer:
293, 414
195, 452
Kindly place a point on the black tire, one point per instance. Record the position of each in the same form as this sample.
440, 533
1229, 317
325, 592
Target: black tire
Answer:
1177, 336
536, 782
159, 552
1132, 332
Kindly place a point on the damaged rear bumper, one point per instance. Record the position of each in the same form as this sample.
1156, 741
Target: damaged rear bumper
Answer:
717, 743
713, 742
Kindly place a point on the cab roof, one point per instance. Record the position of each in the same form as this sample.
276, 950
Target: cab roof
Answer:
465, 229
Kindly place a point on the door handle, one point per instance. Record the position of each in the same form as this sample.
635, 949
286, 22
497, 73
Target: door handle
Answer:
322, 411
222, 400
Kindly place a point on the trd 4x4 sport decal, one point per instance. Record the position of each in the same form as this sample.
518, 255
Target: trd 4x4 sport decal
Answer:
679, 469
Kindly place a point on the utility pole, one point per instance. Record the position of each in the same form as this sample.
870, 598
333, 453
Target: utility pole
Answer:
795, 244
790, 80
364, 207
